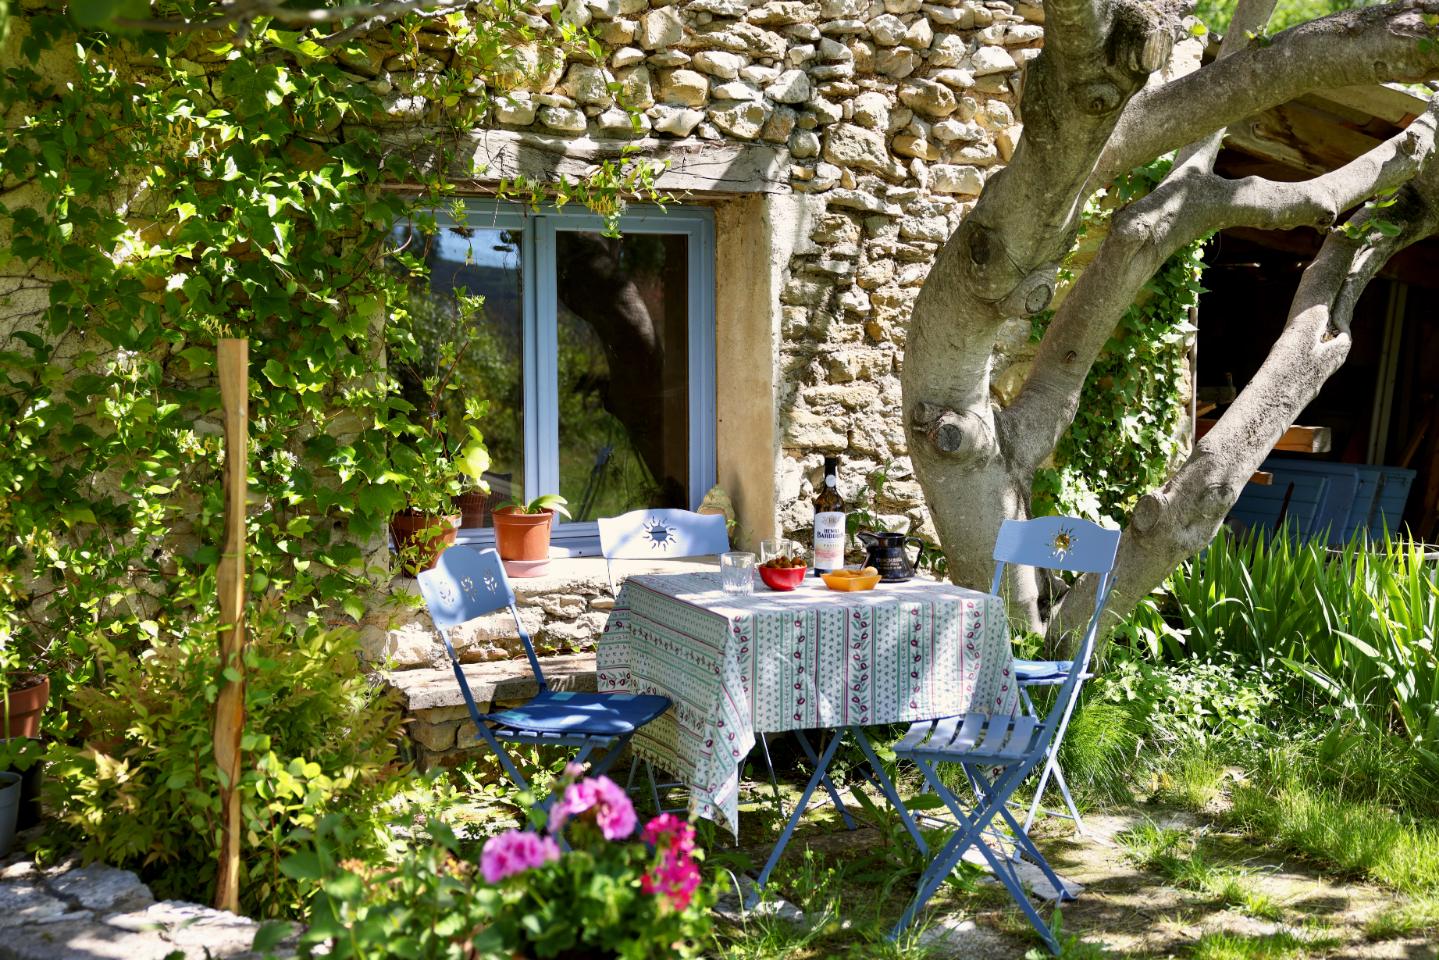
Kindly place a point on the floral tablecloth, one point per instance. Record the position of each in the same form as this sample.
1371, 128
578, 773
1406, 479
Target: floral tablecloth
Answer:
736, 666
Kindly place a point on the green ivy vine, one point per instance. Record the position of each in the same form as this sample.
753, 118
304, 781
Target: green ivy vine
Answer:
159, 190
1123, 438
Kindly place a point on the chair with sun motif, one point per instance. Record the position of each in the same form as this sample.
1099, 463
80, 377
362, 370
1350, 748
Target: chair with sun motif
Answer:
660, 534
466, 584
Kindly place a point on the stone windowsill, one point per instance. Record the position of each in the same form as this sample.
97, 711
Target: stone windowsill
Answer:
585, 576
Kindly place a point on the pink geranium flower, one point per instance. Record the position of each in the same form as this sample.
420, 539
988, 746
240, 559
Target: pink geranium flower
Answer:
613, 812
676, 876
515, 851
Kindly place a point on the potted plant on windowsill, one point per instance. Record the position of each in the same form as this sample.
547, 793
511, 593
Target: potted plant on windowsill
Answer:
24, 692
522, 533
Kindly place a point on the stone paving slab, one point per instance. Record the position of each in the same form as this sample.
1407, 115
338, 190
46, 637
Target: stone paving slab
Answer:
96, 912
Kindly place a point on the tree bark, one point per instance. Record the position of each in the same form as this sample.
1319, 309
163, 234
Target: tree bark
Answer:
1089, 116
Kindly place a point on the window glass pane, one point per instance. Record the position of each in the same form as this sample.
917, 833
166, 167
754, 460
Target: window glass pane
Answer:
482, 262
623, 339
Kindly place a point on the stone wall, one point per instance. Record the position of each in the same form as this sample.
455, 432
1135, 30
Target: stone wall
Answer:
893, 112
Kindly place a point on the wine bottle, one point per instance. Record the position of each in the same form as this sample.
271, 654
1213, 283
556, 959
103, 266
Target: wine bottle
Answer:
829, 522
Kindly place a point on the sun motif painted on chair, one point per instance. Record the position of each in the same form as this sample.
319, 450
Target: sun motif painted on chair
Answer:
1063, 542
658, 534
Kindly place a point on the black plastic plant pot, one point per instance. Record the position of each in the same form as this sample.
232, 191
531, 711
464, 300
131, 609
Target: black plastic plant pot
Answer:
9, 810
32, 775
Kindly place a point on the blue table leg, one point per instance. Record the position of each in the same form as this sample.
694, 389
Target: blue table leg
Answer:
828, 783
821, 765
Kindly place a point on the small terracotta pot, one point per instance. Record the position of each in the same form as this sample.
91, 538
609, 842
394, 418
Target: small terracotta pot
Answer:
24, 703
522, 536
417, 550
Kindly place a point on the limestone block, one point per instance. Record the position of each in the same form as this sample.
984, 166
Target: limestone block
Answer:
954, 178
743, 120
564, 605
804, 144
887, 30
832, 72
1016, 34
577, 13
736, 90
834, 50
1006, 385
676, 121
979, 154
516, 109
684, 86
720, 8
434, 736
954, 78
626, 57
875, 274
928, 97
803, 53
586, 84
933, 229
871, 110
948, 16
902, 6
997, 115
780, 125
660, 28
792, 86
953, 131
808, 431
603, 9
759, 75
563, 119
919, 35
635, 87
864, 201
1006, 140
718, 63
843, 28
825, 112
842, 9
849, 145
896, 62
908, 145
989, 60
783, 12
948, 50
669, 58
102, 888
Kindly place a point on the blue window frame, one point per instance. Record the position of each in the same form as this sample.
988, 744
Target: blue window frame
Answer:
539, 250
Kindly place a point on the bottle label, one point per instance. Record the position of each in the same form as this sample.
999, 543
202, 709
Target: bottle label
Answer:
828, 541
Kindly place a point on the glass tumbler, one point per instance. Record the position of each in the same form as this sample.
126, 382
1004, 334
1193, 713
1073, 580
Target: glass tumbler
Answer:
737, 572
770, 549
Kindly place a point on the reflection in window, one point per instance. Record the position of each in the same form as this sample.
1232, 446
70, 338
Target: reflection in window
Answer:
623, 339
481, 262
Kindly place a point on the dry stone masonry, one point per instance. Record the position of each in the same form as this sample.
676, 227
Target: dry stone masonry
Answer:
887, 116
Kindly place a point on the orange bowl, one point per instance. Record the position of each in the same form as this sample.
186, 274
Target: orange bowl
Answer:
786, 579
837, 581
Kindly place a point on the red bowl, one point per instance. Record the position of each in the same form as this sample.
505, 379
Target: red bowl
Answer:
786, 579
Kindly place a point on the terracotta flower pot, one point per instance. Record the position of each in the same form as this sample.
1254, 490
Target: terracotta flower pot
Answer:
420, 538
523, 536
474, 508
28, 694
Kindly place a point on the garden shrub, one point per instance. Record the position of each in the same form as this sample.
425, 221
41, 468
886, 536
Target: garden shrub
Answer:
142, 791
1194, 703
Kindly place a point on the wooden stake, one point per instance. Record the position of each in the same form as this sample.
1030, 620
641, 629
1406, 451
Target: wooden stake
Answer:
234, 367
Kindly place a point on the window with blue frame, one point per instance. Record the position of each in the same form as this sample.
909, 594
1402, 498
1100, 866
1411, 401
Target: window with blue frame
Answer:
594, 354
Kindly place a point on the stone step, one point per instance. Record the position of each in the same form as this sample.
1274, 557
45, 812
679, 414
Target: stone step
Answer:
439, 720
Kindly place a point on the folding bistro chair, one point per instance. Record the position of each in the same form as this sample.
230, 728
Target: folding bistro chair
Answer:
997, 753
466, 584
660, 535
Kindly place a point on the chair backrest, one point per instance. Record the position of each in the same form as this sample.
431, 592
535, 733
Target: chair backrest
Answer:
660, 534
1062, 543
467, 583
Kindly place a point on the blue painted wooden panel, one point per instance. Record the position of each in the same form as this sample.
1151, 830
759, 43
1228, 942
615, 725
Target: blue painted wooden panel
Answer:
1389, 503
1332, 515
1259, 506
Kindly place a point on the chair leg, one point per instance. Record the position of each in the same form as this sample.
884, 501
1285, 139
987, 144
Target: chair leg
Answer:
821, 765
769, 765
829, 787
1069, 800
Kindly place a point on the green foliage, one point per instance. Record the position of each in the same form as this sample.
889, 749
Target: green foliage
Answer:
1356, 626
432, 903
1123, 436
1287, 13
160, 191
548, 501
1195, 703
143, 792
864, 514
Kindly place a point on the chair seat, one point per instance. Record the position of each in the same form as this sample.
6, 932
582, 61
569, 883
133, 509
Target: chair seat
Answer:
583, 714
972, 738
1039, 671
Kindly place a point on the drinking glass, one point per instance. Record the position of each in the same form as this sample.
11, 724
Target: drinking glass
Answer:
737, 572
769, 549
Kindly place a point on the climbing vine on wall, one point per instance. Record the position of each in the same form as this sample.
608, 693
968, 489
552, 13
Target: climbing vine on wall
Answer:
159, 190
1123, 438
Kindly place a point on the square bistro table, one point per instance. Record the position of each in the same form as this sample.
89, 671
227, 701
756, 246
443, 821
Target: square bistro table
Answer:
736, 666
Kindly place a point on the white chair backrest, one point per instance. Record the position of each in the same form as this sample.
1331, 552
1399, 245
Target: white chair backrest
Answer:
660, 534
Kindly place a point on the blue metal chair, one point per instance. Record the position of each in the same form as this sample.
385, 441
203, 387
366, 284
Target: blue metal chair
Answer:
466, 584
997, 753
660, 534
